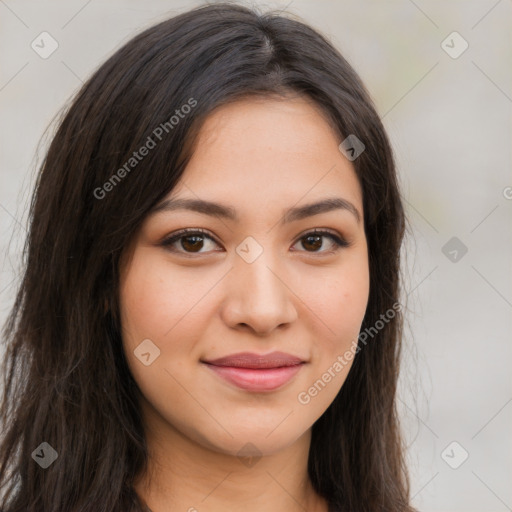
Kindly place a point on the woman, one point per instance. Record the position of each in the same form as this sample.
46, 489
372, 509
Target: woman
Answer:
209, 318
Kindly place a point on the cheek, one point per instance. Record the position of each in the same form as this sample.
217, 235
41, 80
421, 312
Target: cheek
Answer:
154, 301
339, 307
339, 303
142, 300
158, 305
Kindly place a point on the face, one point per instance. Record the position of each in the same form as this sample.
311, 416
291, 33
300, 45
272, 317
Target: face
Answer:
260, 274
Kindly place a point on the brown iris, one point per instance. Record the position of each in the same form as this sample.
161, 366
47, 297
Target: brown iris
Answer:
315, 245
196, 245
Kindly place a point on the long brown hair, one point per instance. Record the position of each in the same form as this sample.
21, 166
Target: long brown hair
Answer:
66, 378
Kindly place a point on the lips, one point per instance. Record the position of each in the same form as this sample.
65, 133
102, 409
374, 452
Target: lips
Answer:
250, 360
255, 372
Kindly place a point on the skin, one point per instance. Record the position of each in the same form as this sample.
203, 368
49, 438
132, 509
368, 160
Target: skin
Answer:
209, 302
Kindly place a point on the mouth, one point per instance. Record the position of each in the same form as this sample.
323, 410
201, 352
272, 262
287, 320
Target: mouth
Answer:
254, 372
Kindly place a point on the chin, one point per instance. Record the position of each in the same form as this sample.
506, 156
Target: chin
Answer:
249, 441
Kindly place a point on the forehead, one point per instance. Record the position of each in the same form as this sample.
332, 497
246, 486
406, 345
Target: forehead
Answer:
262, 150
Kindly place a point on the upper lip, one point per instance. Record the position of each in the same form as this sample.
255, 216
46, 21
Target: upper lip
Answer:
251, 360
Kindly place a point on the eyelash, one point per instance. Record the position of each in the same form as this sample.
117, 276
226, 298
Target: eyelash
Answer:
184, 233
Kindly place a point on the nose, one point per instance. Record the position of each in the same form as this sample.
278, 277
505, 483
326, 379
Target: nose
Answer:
257, 296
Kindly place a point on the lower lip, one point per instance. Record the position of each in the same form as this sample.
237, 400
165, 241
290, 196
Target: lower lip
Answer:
251, 379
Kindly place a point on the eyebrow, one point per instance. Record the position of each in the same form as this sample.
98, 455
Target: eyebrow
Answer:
223, 211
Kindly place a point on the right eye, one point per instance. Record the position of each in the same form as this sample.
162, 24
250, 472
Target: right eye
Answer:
191, 241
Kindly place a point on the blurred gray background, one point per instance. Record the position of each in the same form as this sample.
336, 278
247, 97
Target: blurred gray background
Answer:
440, 73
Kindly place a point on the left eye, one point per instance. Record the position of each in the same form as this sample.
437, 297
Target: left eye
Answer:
314, 239
192, 241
